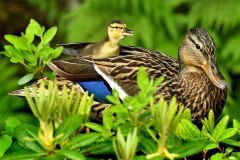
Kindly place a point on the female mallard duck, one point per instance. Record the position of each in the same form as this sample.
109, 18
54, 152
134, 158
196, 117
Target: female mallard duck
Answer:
109, 47
194, 78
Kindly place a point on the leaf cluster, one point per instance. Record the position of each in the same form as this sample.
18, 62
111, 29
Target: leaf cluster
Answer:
34, 57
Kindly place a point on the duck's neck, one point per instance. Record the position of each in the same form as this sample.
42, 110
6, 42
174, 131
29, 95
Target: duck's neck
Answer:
192, 69
112, 41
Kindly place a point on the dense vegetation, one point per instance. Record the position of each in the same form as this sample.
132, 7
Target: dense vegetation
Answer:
158, 25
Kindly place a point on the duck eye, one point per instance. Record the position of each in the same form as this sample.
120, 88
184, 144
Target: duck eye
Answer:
198, 46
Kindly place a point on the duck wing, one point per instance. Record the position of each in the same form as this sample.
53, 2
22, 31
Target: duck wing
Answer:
81, 49
120, 71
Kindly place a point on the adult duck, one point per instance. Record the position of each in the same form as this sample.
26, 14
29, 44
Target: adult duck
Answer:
194, 78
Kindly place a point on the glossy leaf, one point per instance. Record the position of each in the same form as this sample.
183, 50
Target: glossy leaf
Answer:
49, 34
37, 29
56, 52
18, 42
227, 133
187, 130
220, 127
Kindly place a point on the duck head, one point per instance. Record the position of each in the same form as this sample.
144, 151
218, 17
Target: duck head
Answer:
117, 30
197, 54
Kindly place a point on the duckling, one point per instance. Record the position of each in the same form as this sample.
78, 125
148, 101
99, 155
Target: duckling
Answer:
109, 47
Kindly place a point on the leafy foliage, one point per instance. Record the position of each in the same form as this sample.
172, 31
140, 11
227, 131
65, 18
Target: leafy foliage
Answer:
34, 57
153, 129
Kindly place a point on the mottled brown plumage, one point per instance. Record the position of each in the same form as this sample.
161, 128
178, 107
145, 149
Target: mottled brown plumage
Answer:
194, 79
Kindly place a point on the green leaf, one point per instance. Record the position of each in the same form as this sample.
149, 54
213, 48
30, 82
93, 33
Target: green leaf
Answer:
189, 149
236, 125
14, 54
227, 133
36, 28
96, 127
27, 135
142, 79
210, 145
23, 156
50, 75
18, 42
72, 154
220, 127
49, 34
217, 156
25, 79
68, 126
187, 130
5, 143
82, 140
11, 124
107, 119
147, 145
102, 148
231, 142
56, 52
29, 33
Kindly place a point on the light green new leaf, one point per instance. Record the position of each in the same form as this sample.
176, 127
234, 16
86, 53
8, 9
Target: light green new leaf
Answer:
217, 156
18, 42
25, 79
49, 34
187, 130
56, 52
236, 125
107, 119
142, 79
5, 143
220, 127
37, 29
227, 133
29, 33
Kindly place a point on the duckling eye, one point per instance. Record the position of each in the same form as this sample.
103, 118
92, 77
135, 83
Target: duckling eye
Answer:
198, 46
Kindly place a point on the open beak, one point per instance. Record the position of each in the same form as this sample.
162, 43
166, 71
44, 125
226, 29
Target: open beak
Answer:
127, 32
214, 75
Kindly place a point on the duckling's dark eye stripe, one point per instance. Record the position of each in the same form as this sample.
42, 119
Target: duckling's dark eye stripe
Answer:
116, 27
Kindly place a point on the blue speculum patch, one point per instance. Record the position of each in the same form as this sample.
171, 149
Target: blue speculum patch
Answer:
99, 88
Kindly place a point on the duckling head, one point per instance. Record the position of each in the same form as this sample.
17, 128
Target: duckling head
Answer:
117, 30
197, 54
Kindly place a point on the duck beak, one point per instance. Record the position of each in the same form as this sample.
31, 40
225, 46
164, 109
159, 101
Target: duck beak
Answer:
127, 32
214, 75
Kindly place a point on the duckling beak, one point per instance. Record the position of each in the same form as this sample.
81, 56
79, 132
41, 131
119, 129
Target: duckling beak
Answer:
127, 32
214, 75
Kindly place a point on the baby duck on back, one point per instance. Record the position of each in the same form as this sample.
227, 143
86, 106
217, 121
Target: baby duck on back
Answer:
109, 47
